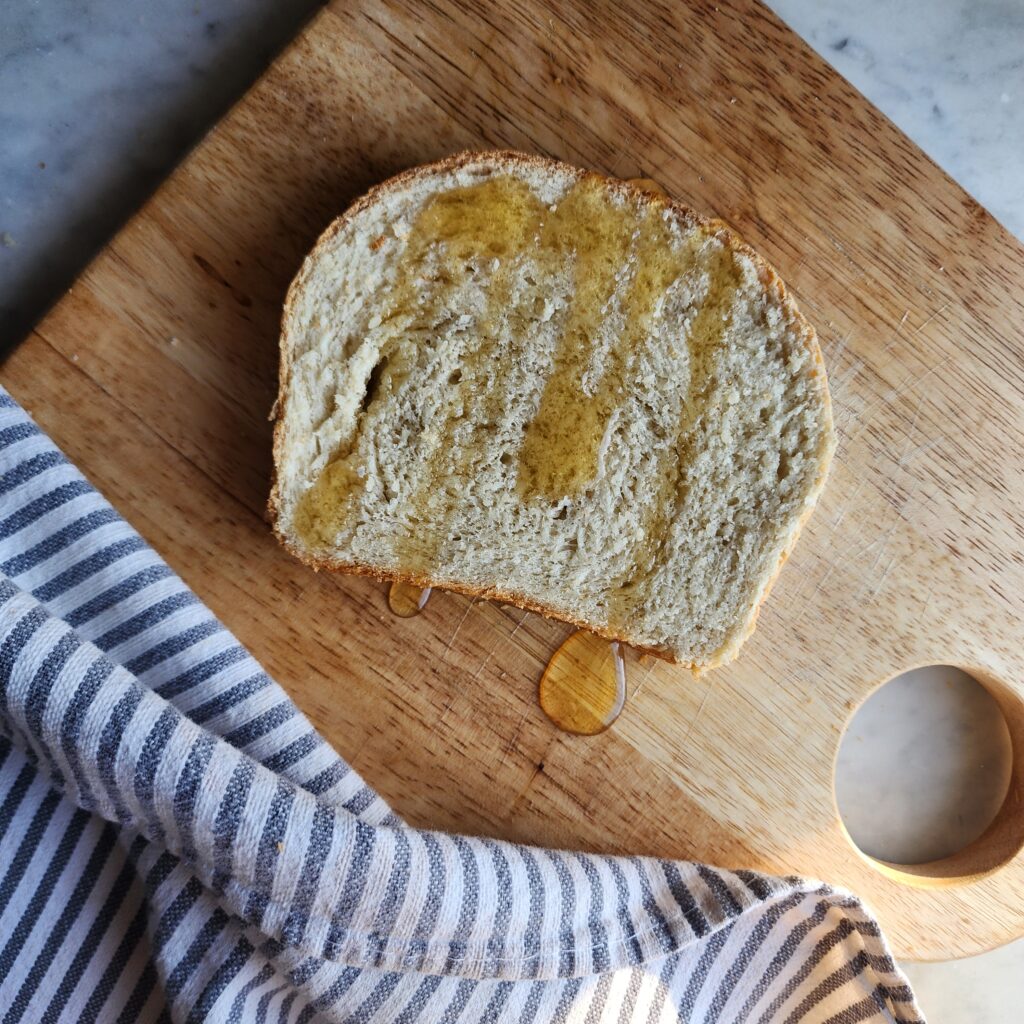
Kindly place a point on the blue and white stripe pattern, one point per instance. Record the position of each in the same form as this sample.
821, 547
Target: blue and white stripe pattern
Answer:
177, 842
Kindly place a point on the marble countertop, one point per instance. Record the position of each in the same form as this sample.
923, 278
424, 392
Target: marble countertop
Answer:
98, 102
949, 73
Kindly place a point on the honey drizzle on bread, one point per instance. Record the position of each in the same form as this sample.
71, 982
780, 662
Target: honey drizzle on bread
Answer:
545, 354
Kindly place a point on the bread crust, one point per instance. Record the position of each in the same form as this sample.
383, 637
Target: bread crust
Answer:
509, 160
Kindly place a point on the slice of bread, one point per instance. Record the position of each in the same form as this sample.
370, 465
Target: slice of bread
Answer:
505, 376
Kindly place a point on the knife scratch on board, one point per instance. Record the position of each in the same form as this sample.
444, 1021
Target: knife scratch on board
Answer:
913, 423
908, 384
893, 562
526, 615
883, 546
513, 740
838, 348
696, 717
444, 711
847, 505
942, 309
838, 384
465, 615
485, 660
927, 602
921, 449
917, 381
821, 583
643, 682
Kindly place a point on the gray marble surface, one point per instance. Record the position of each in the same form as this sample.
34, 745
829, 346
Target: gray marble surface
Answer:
99, 99
949, 73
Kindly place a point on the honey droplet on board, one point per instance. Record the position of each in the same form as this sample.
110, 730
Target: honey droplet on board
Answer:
405, 600
583, 689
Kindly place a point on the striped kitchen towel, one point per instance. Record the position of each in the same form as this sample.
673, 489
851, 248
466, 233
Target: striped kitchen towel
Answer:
178, 843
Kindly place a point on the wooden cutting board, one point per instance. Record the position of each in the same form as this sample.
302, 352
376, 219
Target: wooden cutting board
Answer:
157, 371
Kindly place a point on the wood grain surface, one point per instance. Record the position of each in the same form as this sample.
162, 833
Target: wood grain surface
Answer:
157, 371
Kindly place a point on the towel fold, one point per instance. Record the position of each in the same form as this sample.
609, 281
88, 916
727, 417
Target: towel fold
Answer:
177, 842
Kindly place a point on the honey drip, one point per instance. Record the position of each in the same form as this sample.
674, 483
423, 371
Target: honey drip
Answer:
405, 600
588, 231
583, 689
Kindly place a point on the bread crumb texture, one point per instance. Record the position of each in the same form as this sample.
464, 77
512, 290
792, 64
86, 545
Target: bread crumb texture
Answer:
507, 376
